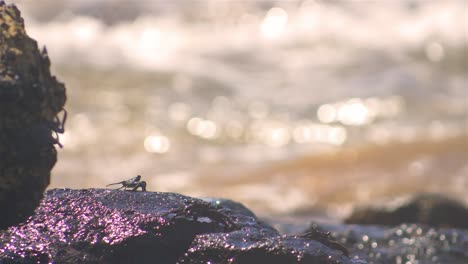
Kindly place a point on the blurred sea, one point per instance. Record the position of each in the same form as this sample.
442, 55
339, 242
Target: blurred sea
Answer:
302, 108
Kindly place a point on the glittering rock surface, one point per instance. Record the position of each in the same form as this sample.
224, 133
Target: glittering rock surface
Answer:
30, 99
112, 226
251, 245
429, 209
405, 243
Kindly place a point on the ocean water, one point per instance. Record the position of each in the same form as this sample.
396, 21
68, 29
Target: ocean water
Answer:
297, 108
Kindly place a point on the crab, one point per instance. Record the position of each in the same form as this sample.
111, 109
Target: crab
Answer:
133, 184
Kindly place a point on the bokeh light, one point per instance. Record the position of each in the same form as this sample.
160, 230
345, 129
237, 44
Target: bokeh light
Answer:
234, 96
327, 113
274, 23
354, 112
203, 128
157, 144
435, 51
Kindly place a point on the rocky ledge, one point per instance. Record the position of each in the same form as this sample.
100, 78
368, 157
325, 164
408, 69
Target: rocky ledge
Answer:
112, 226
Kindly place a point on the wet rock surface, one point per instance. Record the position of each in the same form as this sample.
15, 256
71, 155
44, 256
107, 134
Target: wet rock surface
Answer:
112, 226
259, 246
429, 209
424, 228
30, 99
405, 243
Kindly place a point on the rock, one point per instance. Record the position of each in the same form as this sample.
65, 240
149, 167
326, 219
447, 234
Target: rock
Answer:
429, 209
231, 205
262, 245
254, 246
113, 226
30, 99
405, 243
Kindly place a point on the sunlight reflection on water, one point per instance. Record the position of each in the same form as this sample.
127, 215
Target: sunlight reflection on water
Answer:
207, 97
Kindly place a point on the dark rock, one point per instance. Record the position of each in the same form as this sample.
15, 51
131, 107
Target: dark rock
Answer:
30, 99
257, 246
230, 205
263, 245
429, 209
112, 226
319, 234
